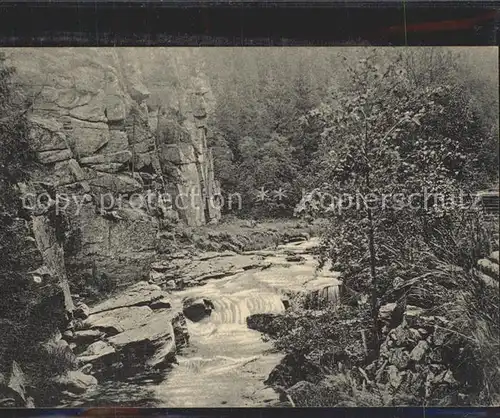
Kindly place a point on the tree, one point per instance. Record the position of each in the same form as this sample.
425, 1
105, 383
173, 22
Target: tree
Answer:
383, 140
17, 256
261, 94
15, 163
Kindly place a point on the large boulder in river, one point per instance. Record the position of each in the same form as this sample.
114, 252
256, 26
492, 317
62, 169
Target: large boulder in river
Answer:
197, 309
152, 344
136, 329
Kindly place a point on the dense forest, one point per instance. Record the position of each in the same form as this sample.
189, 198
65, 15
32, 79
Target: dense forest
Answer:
263, 131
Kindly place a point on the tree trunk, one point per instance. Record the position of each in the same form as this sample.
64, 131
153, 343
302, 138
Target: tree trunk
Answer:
373, 274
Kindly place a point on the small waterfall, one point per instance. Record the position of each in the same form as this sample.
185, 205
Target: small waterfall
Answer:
323, 297
236, 308
329, 295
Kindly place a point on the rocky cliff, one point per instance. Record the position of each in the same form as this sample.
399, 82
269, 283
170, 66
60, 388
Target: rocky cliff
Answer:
114, 129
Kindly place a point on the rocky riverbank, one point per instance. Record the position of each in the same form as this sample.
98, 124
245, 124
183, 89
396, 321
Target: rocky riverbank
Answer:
185, 337
172, 343
434, 349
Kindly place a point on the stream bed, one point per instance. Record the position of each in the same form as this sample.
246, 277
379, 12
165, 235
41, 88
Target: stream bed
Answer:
226, 363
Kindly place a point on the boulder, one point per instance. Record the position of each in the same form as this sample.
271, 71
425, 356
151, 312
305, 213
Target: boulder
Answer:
399, 357
385, 312
402, 336
161, 304
86, 336
139, 294
75, 382
48, 157
418, 352
393, 376
295, 258
68, 335
152, 344
96, 351
82, 311
197, 309
117, 320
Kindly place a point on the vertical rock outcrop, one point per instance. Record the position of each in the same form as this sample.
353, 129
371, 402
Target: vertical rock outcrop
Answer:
112, 124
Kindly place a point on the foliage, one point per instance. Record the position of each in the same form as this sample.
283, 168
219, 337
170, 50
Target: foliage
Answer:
15, 163
395, 158
399, 151
262, 94
29, 313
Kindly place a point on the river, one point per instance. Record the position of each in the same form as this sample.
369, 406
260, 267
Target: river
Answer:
226, 363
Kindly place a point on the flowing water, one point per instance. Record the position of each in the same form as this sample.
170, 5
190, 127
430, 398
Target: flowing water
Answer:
226, 363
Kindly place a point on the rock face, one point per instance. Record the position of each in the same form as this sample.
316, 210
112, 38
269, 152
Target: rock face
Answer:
110, 123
